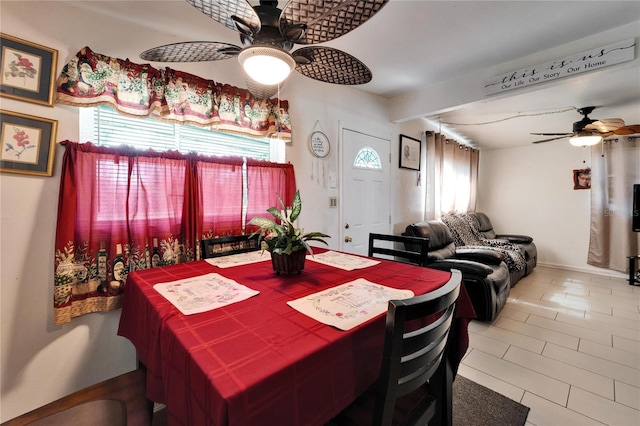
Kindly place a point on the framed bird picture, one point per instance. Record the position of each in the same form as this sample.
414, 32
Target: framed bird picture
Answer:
28, 70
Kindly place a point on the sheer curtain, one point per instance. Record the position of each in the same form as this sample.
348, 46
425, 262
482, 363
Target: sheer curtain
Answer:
612, 177
452, 176
116, 203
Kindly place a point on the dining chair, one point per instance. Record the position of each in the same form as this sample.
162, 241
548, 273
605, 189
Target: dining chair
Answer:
118, 401
416, 335
225, 246
408, 256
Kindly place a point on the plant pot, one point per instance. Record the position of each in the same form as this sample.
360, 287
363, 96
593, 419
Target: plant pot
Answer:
288, 263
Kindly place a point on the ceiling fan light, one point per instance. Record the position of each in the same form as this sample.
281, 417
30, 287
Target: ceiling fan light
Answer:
585, 140
266, 65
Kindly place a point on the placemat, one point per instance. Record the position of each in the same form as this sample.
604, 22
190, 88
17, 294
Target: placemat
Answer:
350, 304
239, 259
203, 293
345, 261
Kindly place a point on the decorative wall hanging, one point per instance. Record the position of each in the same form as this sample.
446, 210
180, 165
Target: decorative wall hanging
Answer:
409, 153
319, 144
28, 70
28, 143
582, 179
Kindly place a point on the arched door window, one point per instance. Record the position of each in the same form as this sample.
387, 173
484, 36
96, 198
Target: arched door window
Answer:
367, 158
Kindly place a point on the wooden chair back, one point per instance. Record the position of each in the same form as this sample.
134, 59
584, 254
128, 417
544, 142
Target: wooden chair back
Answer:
118, 401
412, 353
225, 246
416, 257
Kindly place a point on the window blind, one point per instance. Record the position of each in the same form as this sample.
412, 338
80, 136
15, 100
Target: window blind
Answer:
105, 126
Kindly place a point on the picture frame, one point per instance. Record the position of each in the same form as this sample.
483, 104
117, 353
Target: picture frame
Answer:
410, 153
582, 179
27, 143
28, 71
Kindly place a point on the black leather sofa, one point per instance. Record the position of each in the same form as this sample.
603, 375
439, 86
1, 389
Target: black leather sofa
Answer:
485, 275
466, 232
486, 229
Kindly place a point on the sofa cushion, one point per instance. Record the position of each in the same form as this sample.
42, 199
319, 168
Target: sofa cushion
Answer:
516, 239
437, 232
484, 224
488, 256
441, 244
467, 267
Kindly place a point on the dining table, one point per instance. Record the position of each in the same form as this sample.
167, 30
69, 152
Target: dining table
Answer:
260, 361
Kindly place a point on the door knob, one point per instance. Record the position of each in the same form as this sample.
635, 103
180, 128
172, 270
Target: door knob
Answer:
348, 239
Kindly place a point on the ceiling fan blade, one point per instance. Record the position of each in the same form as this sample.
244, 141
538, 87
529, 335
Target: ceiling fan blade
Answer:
552, 134
192, 51
262, 91
237, 15
331, 66
327, 20
605, 125
553, 139
631, 129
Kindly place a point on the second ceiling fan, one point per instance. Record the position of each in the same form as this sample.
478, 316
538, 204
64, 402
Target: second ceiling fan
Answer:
268, 34
590, 131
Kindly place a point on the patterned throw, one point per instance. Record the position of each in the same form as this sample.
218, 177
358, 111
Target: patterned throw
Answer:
465, 233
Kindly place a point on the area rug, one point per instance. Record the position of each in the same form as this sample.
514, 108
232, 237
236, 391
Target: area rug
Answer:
476, 405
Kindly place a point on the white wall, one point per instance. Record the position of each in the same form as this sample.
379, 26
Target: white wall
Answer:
408, 185
40, 362
328, 108
529, 190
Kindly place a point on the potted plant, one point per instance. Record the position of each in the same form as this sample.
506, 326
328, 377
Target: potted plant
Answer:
288, 245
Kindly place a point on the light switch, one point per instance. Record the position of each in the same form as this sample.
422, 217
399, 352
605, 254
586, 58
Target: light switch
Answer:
333, 182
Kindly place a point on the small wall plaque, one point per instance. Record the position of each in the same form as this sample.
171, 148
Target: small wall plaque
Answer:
319, 144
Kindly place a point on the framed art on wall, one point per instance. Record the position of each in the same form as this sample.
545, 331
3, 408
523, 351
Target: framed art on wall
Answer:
582, 179
409, 153
28, 70
28, 143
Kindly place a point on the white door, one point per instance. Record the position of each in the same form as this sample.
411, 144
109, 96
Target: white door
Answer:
365, 171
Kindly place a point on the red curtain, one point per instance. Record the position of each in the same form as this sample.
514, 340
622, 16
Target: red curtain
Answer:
265, 182
122, 200
220, 197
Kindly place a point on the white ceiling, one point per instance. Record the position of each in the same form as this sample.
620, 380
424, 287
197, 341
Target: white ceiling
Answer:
411, 44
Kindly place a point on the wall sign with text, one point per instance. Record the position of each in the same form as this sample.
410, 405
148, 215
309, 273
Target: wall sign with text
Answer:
319, 144
589, 60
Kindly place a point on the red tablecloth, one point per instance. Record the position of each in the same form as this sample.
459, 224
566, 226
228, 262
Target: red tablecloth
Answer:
259, 361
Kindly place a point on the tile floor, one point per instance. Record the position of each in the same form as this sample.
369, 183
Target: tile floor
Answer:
567, 345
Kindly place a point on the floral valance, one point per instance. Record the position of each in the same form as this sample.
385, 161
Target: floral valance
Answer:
91, 79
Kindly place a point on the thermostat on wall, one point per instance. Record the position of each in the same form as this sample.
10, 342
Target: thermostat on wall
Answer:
319, 144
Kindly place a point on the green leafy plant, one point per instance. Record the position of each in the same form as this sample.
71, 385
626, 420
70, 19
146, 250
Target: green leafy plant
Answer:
282, 237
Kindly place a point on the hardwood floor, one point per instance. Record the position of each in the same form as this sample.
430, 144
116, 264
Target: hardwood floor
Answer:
567, 345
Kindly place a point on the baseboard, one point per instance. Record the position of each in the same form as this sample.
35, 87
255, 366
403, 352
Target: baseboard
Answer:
609, 273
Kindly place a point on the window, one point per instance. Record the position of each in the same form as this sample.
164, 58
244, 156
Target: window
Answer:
367, 158
105, 126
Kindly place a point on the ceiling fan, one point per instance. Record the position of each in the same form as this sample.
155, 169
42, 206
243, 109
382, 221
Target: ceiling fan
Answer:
590, 132
268, 34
